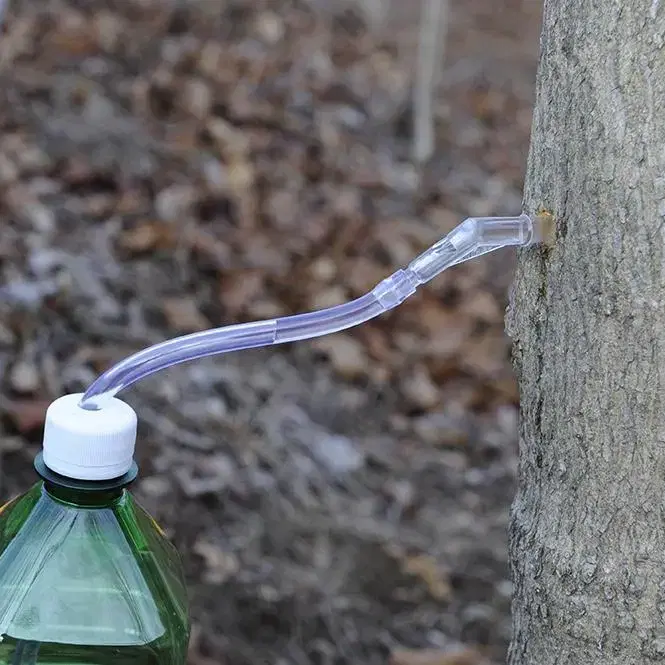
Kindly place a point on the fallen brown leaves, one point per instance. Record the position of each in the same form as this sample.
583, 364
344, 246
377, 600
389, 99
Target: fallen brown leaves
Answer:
427, 569
435, 657
27, 415
219, 162
183, 315
147, 236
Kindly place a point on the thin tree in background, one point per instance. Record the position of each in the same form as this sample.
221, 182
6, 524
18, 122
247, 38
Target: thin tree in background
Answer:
431, 38
430, 33
588, 322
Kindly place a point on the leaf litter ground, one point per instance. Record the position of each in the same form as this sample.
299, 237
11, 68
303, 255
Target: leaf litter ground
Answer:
166, 167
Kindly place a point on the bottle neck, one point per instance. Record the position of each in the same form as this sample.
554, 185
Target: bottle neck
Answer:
84, 493
88, 498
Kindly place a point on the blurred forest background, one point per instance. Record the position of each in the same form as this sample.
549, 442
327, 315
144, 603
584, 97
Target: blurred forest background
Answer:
169, 166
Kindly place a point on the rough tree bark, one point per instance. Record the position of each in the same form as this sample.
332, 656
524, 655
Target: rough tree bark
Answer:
588, 321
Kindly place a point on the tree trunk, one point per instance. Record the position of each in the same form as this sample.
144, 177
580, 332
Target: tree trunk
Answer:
588, 321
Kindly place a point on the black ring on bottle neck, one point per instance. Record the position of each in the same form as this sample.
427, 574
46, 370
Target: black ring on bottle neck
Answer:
85, 485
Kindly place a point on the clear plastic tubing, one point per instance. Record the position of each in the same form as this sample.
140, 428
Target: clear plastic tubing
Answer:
473, 237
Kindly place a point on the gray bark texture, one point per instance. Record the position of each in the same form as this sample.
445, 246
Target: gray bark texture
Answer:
587, 317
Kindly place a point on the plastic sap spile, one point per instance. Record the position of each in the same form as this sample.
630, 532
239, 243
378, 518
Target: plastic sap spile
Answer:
86, 576
473, 237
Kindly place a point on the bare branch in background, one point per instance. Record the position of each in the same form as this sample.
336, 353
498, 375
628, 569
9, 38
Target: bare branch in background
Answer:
433, 30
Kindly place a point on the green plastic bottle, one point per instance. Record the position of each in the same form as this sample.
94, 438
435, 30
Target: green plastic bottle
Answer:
86, 575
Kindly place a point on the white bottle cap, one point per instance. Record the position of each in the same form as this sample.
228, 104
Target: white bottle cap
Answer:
86, 444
